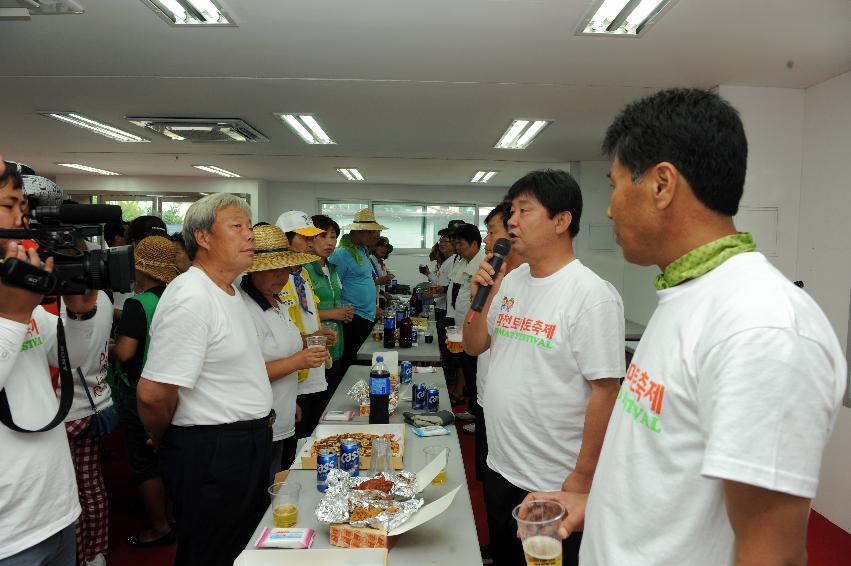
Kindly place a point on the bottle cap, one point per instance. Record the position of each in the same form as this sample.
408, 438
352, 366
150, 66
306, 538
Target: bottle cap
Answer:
379, 359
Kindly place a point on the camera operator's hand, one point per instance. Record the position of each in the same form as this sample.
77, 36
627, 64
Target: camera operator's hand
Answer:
15, 303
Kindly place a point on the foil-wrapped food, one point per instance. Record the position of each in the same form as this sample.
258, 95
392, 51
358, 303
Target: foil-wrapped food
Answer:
387, 500
359, 391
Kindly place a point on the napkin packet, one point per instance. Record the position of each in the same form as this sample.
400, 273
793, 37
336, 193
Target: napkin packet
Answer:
285, 538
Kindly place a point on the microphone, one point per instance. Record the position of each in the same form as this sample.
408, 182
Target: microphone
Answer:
500, 250
77, 214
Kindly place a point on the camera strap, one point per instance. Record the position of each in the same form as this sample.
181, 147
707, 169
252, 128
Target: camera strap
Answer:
66, 382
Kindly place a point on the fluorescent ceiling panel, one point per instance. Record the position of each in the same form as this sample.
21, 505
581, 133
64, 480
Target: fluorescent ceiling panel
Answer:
87, 123
625, 18
521, 133
190, 12
216, 170
483, 176
88, 169
350, 173
306, 127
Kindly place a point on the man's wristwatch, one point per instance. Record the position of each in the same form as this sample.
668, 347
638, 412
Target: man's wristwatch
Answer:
81, 315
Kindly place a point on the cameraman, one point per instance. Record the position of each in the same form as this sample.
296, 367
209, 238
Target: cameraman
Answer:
38, 491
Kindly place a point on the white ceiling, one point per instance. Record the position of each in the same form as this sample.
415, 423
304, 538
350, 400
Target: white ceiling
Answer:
413, 92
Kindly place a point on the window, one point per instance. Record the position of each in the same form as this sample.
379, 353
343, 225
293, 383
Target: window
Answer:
483, 213
343, 213
410, 225
132, 208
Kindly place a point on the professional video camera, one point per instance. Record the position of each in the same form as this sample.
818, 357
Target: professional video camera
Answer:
58, 231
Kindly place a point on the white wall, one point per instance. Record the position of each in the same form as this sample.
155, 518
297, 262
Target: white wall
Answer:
824, 252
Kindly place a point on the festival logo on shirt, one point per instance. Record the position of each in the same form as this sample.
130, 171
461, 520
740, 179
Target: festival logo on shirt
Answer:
33, 337
636, 387
529, 330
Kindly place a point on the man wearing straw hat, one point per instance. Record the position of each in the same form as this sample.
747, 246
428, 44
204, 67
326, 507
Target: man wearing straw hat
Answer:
358, 277
279, 337
205, 395
155, 258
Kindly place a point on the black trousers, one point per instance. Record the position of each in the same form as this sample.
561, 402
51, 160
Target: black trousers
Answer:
218, 479
333, 377
312, 406
469, 367
501, 497
355, 334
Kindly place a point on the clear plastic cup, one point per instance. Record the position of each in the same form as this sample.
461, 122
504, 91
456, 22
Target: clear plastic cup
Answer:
285, 503
455, 339
317, 342
538, 530
431, 453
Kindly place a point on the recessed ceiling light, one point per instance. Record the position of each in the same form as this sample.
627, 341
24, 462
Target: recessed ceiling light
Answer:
350, 174
190, 12
216, 170
483, 176
81, 121
88, 169
521, 133
306, 127
625, 18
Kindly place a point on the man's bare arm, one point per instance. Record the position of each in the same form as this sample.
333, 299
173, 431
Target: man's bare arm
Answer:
157, 403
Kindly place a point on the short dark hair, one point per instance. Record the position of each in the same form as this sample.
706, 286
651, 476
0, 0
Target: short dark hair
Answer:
697, 131
326, 223
556, 190
177, 238
13, 172
144, 226
468, 233
112, 231
504, 209
290, 236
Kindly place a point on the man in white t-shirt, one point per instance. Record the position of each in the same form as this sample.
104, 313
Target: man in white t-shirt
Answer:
204, 395
38, 488
714, 447
555, 332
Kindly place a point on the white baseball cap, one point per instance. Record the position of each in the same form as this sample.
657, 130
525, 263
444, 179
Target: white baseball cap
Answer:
298, 222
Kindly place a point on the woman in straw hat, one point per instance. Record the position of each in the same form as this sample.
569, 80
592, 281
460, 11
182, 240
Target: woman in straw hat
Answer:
279, 337
155, 268
359, 281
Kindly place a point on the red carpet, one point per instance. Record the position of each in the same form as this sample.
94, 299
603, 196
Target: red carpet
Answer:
827, 544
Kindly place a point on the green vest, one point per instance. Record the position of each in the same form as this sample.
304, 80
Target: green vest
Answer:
327, 289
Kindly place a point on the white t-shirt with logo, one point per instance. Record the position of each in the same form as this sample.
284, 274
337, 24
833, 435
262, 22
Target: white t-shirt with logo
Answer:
549, 337
96, 361
38, 486
204, 341
739, 376
279, 338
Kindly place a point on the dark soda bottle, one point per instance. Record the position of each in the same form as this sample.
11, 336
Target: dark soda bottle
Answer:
379, 393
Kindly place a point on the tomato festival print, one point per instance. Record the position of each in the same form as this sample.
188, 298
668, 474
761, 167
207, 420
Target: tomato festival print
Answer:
529, 330
640, 385
33, 337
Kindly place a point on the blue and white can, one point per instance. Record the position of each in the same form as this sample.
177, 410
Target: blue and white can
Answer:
326, 461
432, 399
406, 373
419, 397
350, 457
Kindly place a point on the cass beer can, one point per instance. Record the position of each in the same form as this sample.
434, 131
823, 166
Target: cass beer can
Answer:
326, 461
406, 373
349, 456
432, 399
418, 399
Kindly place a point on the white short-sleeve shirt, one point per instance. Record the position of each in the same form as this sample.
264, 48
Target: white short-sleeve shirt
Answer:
203, 340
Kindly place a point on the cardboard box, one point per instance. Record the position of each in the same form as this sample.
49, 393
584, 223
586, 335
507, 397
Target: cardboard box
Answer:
308, 461
347, 536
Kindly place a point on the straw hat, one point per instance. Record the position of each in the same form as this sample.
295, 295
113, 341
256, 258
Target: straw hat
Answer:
365, 220
272, 250
156, 256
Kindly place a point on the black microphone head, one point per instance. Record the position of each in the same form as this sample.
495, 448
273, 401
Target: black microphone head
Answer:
501, 247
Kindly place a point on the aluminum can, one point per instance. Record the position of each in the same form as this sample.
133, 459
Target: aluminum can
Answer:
350, 457
432, 399
326, 461
419, 397
406, 373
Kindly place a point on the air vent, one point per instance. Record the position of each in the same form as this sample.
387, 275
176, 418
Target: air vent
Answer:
27, 8
202, 130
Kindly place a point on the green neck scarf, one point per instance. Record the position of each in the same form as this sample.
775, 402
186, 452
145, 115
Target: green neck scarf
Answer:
704, 259
347, 244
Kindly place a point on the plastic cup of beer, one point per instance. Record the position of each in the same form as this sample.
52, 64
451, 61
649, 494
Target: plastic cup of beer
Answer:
377, 333
317, 342
433, 452
539, 531
455, 339
285, 503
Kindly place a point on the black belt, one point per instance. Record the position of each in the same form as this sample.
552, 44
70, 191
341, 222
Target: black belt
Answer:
261, 423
